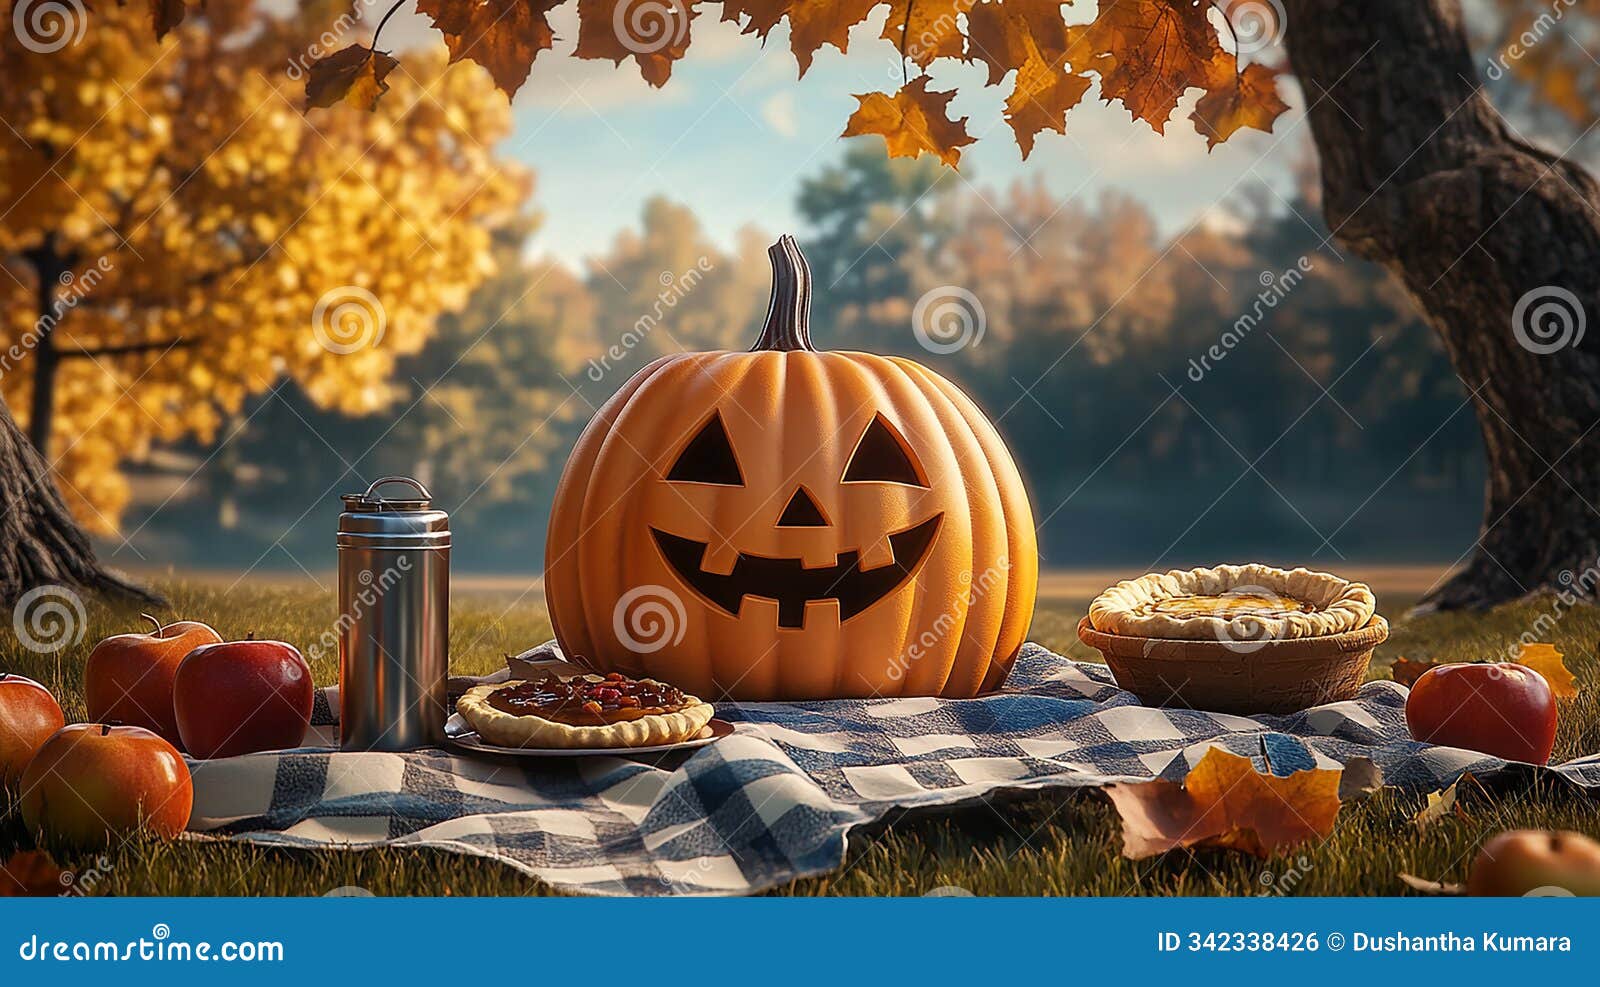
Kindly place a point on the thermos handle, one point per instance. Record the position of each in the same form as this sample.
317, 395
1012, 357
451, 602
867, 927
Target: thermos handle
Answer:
396, 479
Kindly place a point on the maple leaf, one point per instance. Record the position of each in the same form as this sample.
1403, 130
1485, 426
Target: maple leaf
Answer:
1546, 660
654, 33
166, 15
30, 874
1005, 36
1248, 99
1224, 802
504, 36
926, 29
1040, 98
1406, 672
354, 74
911, 121
1440, 805
1148, 52
812, 23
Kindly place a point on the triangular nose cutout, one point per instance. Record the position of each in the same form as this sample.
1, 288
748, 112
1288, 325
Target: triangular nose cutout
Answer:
802, 512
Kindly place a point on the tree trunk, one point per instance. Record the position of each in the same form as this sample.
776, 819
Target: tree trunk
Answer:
1498, 244
40, 543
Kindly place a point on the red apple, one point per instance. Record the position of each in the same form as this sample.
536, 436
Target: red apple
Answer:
241, 697
1504, 709
1525, 861
92, 783
128, 678
28, 716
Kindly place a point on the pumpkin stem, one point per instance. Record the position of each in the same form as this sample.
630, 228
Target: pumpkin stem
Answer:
788, 324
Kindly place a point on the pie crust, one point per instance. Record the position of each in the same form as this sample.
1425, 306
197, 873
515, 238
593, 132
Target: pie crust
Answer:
531, 730
1261, 601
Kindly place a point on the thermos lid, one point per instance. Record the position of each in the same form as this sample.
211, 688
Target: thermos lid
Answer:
398, 521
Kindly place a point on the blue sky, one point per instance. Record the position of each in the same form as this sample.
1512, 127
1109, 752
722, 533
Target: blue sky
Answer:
733, 132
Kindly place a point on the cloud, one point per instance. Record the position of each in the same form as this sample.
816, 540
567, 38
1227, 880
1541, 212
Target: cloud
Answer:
778, 112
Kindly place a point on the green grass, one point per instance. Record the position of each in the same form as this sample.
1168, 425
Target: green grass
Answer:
1055, 844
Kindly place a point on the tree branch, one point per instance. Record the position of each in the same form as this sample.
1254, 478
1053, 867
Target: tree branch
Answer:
118, 349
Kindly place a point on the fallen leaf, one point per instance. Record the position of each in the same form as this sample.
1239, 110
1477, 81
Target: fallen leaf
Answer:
1445, 803
504, 36
1248, 99
1406, 672
1225, 802
1426, 886
354, 74
1546, 660
30, 874
911, 121
654, 33
1361, 779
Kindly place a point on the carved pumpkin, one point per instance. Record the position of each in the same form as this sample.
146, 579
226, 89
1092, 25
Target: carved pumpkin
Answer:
793, 524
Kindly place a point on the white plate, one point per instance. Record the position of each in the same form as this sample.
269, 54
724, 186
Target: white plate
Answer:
459, 734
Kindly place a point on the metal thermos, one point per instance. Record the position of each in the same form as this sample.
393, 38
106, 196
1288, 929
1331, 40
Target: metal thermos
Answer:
394, 620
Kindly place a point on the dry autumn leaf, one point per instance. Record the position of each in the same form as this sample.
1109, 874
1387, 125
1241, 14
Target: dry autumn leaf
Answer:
1224, 802
912, 121
354, 75
30, 874
1546, 660
504, 36
1406, 672
1146, 53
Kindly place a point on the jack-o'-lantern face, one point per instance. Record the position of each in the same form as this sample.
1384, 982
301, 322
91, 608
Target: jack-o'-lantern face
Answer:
792, 524
880, 456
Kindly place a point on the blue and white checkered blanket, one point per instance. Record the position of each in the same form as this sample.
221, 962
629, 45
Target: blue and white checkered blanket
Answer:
775, 800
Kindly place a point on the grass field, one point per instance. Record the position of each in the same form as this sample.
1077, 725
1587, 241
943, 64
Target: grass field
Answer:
1059, 844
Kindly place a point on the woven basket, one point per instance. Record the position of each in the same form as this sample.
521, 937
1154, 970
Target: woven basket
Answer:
1229, 677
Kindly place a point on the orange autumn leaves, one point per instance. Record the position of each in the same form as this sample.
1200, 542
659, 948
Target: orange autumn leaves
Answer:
1224, 803
1145, 54
1542, 658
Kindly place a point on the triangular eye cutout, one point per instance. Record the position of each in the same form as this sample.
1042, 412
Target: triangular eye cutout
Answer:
882, 456
708, 458
802, 512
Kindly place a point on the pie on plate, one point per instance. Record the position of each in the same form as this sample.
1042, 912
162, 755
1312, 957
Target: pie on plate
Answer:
583, 712
1254, 601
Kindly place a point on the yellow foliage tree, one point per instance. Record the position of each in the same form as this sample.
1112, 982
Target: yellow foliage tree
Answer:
180, 232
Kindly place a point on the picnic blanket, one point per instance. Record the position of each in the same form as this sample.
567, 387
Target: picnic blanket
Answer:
776, 800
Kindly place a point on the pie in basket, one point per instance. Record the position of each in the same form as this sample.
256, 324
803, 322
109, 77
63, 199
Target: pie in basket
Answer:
583, 712
1217, 603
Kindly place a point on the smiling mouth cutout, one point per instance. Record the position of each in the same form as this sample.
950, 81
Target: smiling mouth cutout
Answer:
791, 584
